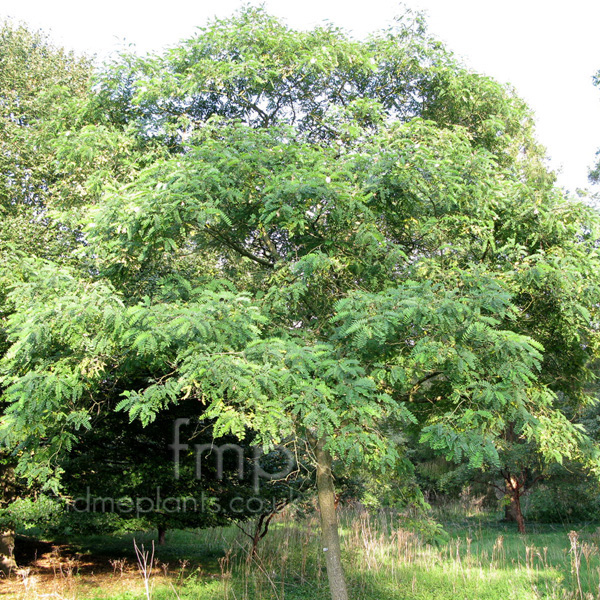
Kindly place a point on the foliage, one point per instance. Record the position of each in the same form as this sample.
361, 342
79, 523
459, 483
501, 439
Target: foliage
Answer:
565, 497
122, 470
310, 238
40, 89
388, 268
25, 513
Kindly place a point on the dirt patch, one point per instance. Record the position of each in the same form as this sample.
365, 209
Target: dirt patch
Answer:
57, 571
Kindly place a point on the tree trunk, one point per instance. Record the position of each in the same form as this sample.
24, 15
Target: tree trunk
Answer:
512, 511
7, 546
329, 526
510, 514
162, 532
516, 500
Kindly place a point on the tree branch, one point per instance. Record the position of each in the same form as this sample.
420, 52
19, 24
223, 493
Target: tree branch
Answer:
419, 383
239, 249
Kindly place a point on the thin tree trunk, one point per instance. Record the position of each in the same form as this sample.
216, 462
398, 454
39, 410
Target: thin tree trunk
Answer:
162, 533
516, 501
512, 511
329, 526
10, 490
509, 513
7, 546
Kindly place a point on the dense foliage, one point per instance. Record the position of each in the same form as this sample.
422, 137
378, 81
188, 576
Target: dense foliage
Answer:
319, 240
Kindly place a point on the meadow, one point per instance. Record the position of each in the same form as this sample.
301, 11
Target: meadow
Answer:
388, 556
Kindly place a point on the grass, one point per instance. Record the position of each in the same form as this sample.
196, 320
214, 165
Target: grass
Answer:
384, 559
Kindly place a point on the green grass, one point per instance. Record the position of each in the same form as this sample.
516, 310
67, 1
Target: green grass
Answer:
482, 560
198, 547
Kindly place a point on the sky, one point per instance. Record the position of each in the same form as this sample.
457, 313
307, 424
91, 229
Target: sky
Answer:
547, 49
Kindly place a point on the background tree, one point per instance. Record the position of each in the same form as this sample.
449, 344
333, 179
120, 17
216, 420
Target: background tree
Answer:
123, 469
39, 86
56, 153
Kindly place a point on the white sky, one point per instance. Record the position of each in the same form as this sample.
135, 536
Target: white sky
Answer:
548, 49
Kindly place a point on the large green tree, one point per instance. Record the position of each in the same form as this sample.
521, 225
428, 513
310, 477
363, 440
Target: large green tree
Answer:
320, 239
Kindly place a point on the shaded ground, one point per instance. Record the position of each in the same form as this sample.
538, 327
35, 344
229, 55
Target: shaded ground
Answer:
57, 570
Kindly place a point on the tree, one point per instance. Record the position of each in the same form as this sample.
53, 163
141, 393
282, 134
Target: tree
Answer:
121, 469
340, 237
39, 86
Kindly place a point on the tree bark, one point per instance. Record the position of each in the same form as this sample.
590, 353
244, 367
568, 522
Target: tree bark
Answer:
513, 511
329, 525
7, 546
516, 500
510, 514
162, 532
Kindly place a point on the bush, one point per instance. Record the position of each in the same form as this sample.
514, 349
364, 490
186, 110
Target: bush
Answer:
560, 501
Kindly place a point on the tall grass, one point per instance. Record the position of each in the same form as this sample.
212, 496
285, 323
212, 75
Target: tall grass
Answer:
386, 555
385, 559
